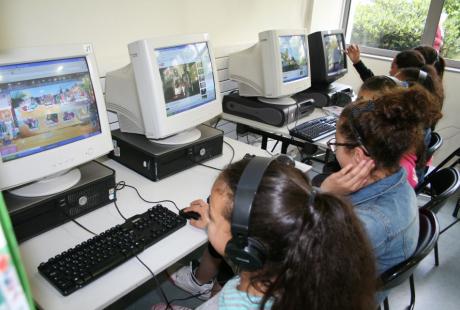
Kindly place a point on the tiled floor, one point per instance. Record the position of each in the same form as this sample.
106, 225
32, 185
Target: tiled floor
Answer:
436, 287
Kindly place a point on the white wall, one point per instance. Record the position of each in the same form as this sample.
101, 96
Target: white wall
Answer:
111, 24
326, 14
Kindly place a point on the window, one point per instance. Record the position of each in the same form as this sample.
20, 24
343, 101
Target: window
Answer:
384, 27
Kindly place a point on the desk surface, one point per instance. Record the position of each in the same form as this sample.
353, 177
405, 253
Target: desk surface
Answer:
284, 130
182, 188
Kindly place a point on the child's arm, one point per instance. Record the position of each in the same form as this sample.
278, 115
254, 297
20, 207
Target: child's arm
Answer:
354, 54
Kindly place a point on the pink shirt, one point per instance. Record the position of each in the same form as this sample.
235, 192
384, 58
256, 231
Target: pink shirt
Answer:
408, 162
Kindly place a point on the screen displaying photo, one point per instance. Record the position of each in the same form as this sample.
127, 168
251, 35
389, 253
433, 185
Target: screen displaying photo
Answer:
293, 57
335, 54
44, 105
187, 76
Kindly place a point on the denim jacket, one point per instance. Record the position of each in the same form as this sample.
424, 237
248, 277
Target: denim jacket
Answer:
388, 209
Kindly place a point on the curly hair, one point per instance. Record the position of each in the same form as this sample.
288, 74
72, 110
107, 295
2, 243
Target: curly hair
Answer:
318, 255
392, 127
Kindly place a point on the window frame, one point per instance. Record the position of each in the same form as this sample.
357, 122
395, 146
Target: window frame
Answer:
428, 36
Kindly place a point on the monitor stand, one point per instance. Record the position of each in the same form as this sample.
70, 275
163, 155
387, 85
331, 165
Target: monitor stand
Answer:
50, 185
278, 101
183, 137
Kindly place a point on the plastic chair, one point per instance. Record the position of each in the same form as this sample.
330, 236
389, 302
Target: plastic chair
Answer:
435, 144
428, 237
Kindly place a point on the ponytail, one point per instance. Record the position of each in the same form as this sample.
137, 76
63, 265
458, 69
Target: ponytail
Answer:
326, 250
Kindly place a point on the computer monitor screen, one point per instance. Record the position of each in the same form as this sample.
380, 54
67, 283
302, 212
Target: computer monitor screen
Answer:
168, 89
45, 105
274, 68
335, 53
327, 56
293, 57
52, 117
187, 76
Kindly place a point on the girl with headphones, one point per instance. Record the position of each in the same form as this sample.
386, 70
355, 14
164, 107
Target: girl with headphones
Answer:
294, 247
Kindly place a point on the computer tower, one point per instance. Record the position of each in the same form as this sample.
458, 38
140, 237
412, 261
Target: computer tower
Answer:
35, 215
156, 161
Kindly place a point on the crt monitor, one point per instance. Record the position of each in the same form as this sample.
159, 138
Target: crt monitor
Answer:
52, 117
327, 55
274, 68
168, 89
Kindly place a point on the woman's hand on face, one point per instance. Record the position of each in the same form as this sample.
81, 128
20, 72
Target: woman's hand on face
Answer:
353, 53
202, 208
349, 179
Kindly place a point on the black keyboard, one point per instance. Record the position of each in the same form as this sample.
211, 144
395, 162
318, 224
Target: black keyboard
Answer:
315, 129
78, 266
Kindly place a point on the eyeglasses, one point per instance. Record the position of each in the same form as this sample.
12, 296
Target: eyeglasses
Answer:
332, 144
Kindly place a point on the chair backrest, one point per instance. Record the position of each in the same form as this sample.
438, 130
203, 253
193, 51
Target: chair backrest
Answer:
428, 236
435, 144
439, 186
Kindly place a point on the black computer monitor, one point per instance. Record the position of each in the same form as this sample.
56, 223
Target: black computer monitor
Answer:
328, 60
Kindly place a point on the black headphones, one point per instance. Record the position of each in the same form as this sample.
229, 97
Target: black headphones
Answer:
247, 252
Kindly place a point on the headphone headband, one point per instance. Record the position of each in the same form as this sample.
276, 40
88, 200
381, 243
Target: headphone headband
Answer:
244, 196
422, 75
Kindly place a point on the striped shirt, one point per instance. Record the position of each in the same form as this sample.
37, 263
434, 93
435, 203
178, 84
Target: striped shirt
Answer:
230, 298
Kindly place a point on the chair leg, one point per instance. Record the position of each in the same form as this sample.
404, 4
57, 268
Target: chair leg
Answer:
386, 306
457, 208
436, 255
412, 292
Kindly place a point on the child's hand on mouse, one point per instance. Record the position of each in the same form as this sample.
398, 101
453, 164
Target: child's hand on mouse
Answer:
202, 208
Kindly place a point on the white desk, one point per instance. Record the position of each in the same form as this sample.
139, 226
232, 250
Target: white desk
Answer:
182, 188
279, 133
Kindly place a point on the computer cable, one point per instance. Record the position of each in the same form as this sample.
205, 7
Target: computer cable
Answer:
210, 167
122, 184
217, 122
83, 227
233, 152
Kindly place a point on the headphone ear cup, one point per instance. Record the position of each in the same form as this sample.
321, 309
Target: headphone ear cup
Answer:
250, 257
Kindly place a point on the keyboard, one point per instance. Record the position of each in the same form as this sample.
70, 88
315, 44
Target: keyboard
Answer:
82, 264
315, 129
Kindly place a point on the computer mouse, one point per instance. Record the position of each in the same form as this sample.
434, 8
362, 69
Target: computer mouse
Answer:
189, 214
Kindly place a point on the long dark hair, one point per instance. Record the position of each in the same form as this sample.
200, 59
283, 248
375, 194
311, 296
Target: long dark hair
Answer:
409, 58
318, 255
433, 58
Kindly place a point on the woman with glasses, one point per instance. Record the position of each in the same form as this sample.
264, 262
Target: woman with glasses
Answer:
370, 140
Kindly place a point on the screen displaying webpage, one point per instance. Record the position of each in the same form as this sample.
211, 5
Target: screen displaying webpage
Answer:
187, 76
293, 57
335, 54
44, 105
